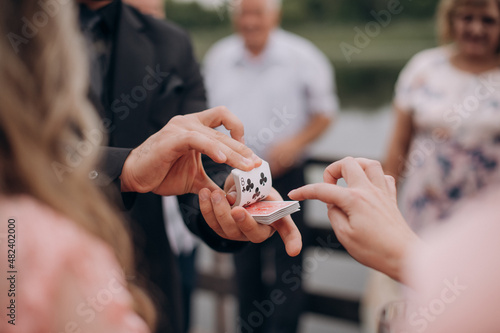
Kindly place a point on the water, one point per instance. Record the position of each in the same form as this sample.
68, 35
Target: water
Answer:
356, 133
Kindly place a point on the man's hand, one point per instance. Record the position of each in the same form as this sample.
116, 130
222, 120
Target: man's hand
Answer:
364, 216
169, 162
237, 224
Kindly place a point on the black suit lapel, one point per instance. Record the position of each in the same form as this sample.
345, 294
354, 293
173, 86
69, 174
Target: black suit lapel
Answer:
130, 99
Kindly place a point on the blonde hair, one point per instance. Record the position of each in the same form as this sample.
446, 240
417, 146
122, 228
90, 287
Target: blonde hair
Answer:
46, 122
446, 11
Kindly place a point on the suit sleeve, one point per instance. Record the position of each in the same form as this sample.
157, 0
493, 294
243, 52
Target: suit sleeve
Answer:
107, 175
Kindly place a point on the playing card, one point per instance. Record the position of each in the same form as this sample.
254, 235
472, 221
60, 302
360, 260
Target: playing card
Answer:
267, 212
266, 208
252, 186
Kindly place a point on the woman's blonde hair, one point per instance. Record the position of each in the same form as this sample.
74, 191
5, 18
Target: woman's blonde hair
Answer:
49, 132
446, 11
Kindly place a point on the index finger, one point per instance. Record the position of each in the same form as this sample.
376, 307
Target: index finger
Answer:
328, 193
221, 115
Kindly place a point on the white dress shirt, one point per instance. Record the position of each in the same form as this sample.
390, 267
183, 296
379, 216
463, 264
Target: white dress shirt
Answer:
182, 241
275, 93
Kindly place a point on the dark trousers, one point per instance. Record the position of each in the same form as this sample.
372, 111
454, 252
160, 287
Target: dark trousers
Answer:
188, 275
269, 282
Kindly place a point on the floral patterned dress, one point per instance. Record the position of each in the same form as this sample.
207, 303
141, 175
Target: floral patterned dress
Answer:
455, 150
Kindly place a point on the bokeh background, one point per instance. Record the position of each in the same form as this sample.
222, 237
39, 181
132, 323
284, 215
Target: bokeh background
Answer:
365, 82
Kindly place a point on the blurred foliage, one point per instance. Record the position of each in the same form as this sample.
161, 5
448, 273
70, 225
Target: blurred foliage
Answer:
193, 15
296, 12
368, 79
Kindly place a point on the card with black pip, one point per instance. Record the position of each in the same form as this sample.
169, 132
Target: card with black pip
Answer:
252, 186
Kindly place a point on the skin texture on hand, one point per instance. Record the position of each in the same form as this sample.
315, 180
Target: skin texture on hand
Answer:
364, 216
237, 224
169, 162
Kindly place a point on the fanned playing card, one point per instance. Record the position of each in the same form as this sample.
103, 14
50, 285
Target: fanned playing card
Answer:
254, 186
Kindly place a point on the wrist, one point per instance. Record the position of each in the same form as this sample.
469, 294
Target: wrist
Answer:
399, 255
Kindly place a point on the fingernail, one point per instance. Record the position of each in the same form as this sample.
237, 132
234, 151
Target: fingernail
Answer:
203, 196
216, 197
256, 158
248, 162
239, 216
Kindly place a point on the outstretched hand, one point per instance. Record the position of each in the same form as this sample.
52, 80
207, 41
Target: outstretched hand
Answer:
364, 216
169, 162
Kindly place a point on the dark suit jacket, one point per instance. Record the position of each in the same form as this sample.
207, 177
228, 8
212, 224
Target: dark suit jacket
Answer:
155, 77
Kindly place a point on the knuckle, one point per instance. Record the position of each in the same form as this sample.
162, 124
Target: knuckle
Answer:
189, 136
354, 196
221, 109
374, 164
219, 135
176, 119
184, 136
244, 149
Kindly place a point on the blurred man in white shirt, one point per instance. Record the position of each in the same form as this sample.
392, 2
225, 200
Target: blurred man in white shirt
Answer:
282, 88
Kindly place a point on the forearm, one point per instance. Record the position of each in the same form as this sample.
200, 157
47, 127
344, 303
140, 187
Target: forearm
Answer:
316, 126
399, 145
394, 163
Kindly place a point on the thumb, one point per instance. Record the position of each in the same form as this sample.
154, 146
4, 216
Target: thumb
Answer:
290, 235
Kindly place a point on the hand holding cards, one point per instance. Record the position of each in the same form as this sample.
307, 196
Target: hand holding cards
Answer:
254, 186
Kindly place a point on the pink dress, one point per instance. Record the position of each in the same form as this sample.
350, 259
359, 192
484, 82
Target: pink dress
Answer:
456, 278
60, 278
